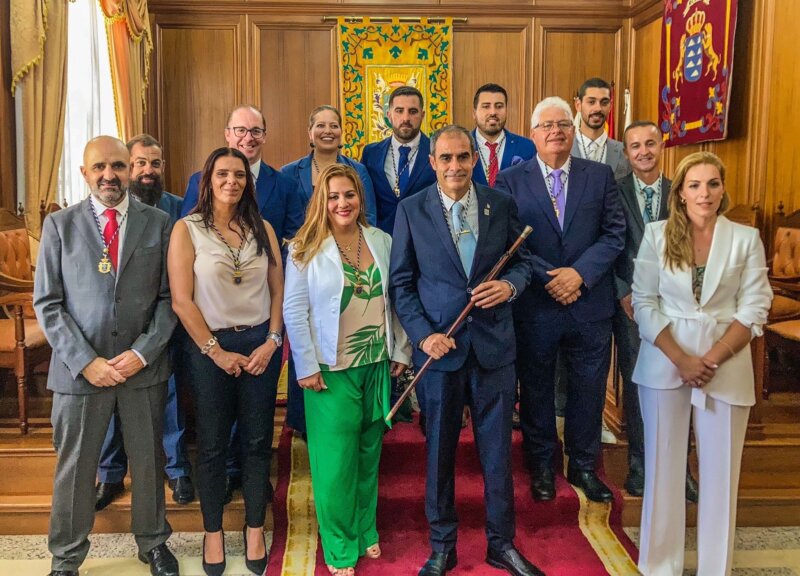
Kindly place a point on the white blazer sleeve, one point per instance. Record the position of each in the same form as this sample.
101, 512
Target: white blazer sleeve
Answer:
645, 288
754, 296
296, 317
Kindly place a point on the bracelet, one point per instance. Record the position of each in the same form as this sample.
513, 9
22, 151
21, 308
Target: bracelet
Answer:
206, 348
728, 346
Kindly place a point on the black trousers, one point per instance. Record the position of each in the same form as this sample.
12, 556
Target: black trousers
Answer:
626, 339
220, 400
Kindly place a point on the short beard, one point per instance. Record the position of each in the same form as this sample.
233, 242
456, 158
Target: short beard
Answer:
149, 194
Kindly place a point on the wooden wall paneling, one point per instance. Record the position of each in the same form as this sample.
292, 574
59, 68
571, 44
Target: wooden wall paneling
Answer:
198, 79
8, 150
493, 50
645, 70
296, 70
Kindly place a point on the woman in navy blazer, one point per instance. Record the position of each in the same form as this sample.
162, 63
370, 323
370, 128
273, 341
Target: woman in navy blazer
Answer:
700, 294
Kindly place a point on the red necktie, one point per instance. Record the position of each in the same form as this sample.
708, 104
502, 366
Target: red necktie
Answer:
493, 166
110, 235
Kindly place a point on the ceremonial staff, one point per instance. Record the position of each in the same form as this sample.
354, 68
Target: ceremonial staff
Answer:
454, 326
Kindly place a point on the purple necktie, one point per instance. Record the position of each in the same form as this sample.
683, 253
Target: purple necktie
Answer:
558, 196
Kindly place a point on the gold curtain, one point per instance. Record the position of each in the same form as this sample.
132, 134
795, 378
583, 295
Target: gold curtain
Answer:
39, 67
129, 45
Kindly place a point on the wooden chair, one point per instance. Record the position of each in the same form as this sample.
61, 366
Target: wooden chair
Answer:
22, 341
783, 324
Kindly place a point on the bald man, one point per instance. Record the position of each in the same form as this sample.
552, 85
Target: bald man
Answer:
102, 298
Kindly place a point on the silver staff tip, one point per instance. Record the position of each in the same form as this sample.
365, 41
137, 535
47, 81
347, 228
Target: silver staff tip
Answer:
526, 232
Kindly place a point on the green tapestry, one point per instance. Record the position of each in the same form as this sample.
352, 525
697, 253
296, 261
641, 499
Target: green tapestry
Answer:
374, 59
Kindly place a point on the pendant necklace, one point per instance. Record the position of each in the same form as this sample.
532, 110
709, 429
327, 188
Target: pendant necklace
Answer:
398, 169
359, 287
104, 266
549, 184
586, 150
456, 234
235, 256
485, 161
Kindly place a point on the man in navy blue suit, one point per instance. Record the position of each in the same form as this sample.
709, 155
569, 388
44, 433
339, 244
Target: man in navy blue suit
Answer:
398, 166
147, 186
497, 147
579, 230
446, 239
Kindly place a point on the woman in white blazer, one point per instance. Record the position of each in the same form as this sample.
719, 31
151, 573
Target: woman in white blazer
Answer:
700, 294
346, 341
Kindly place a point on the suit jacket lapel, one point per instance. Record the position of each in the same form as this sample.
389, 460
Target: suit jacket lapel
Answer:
538, 189
305, 177
484, 213
508, 151
613, 154
264, 186
576, 183
134, 229
717, 258
627, 190
423, 150
434, 206
87, 226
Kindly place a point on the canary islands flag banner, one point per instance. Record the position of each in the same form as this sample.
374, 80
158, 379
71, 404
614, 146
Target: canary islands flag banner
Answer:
376, 58
696, 67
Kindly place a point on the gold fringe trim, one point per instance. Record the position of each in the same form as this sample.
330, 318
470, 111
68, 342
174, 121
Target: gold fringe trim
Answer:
18, 76
300, 555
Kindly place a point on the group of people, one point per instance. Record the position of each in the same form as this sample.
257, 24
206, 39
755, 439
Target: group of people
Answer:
380, 257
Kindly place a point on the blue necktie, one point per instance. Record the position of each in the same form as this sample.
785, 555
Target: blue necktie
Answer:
466, 240
402, 166
647, 216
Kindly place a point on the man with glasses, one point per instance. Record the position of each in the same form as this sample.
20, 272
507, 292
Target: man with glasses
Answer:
579, 230
279, 204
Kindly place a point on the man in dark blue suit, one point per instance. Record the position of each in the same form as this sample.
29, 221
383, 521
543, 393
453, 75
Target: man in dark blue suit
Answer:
497, 147
146, 185
579, 230
446, 240
278, 199
398, 165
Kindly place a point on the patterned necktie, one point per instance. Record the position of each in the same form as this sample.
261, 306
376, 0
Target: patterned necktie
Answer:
466, 239
402, 165
110, 235
494, 167
647, 215
558, 196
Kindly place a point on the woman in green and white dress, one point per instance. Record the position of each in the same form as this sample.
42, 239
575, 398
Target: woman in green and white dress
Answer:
346, 343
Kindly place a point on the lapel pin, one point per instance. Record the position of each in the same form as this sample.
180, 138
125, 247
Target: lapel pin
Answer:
486, 210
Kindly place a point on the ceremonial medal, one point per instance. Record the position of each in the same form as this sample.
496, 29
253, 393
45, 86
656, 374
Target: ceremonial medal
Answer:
104, 266
359, 288
396, 191
235, 256
237, 276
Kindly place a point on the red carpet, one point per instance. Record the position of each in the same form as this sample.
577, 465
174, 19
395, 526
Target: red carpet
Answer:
547, 533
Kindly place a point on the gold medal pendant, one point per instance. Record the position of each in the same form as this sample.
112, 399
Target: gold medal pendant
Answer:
359, 288
237, 276
397, 191
104, 266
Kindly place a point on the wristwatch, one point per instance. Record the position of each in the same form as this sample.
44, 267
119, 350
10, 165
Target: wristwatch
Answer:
276, 337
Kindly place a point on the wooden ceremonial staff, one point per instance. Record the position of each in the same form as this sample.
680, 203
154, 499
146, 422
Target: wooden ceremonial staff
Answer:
454, 326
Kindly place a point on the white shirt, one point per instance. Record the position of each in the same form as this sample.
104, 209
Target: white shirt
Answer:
390, 166
587, 145
640, 197
548, 180
470, 203
255, 169
485, 153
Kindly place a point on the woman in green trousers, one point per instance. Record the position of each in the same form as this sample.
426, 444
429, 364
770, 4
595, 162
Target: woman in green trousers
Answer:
346, 343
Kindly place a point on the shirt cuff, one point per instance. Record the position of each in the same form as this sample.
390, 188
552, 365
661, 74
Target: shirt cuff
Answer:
513, 290
144, 362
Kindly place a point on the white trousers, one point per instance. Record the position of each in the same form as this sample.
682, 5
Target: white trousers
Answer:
719, 431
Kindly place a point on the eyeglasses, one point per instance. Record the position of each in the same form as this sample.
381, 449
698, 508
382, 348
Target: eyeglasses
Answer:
241, 131
562, 125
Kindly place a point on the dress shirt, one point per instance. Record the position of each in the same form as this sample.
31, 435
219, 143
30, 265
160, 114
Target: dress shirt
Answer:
548, 181
255, 169
640, 198
471, 211
484, 153
389, 167
589, 145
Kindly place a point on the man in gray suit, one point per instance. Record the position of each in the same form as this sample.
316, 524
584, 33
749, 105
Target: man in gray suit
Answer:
591, 141
102, 298
643, 194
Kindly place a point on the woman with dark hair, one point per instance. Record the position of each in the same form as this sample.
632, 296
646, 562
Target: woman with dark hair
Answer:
700, 294
346, 341
325, 139
226, 280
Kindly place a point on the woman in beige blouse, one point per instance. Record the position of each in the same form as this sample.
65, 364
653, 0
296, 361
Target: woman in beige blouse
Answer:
227, 289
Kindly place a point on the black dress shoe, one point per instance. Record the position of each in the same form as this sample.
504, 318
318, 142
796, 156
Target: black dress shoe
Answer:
162, 561
692, 492
63, 573
232, 483
634, 483
258, 566
217, 568
106, 492
543, 484
591, 485
182, 489
512, 562
439, 563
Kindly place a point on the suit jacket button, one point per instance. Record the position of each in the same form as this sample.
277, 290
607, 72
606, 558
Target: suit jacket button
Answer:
117, 300
114, 333
469, 318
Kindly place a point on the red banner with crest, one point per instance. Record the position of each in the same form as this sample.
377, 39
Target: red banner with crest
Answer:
696, 66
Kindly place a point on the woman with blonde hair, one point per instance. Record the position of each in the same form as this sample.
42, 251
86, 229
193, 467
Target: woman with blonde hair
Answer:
700, 294
346, 341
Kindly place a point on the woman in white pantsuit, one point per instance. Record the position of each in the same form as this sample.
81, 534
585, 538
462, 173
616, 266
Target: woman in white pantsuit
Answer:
700, 293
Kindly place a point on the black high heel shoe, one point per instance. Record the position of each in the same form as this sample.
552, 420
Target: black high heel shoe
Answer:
214, 569
255, 566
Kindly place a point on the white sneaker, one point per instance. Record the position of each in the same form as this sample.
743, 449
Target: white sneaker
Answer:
607, 436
